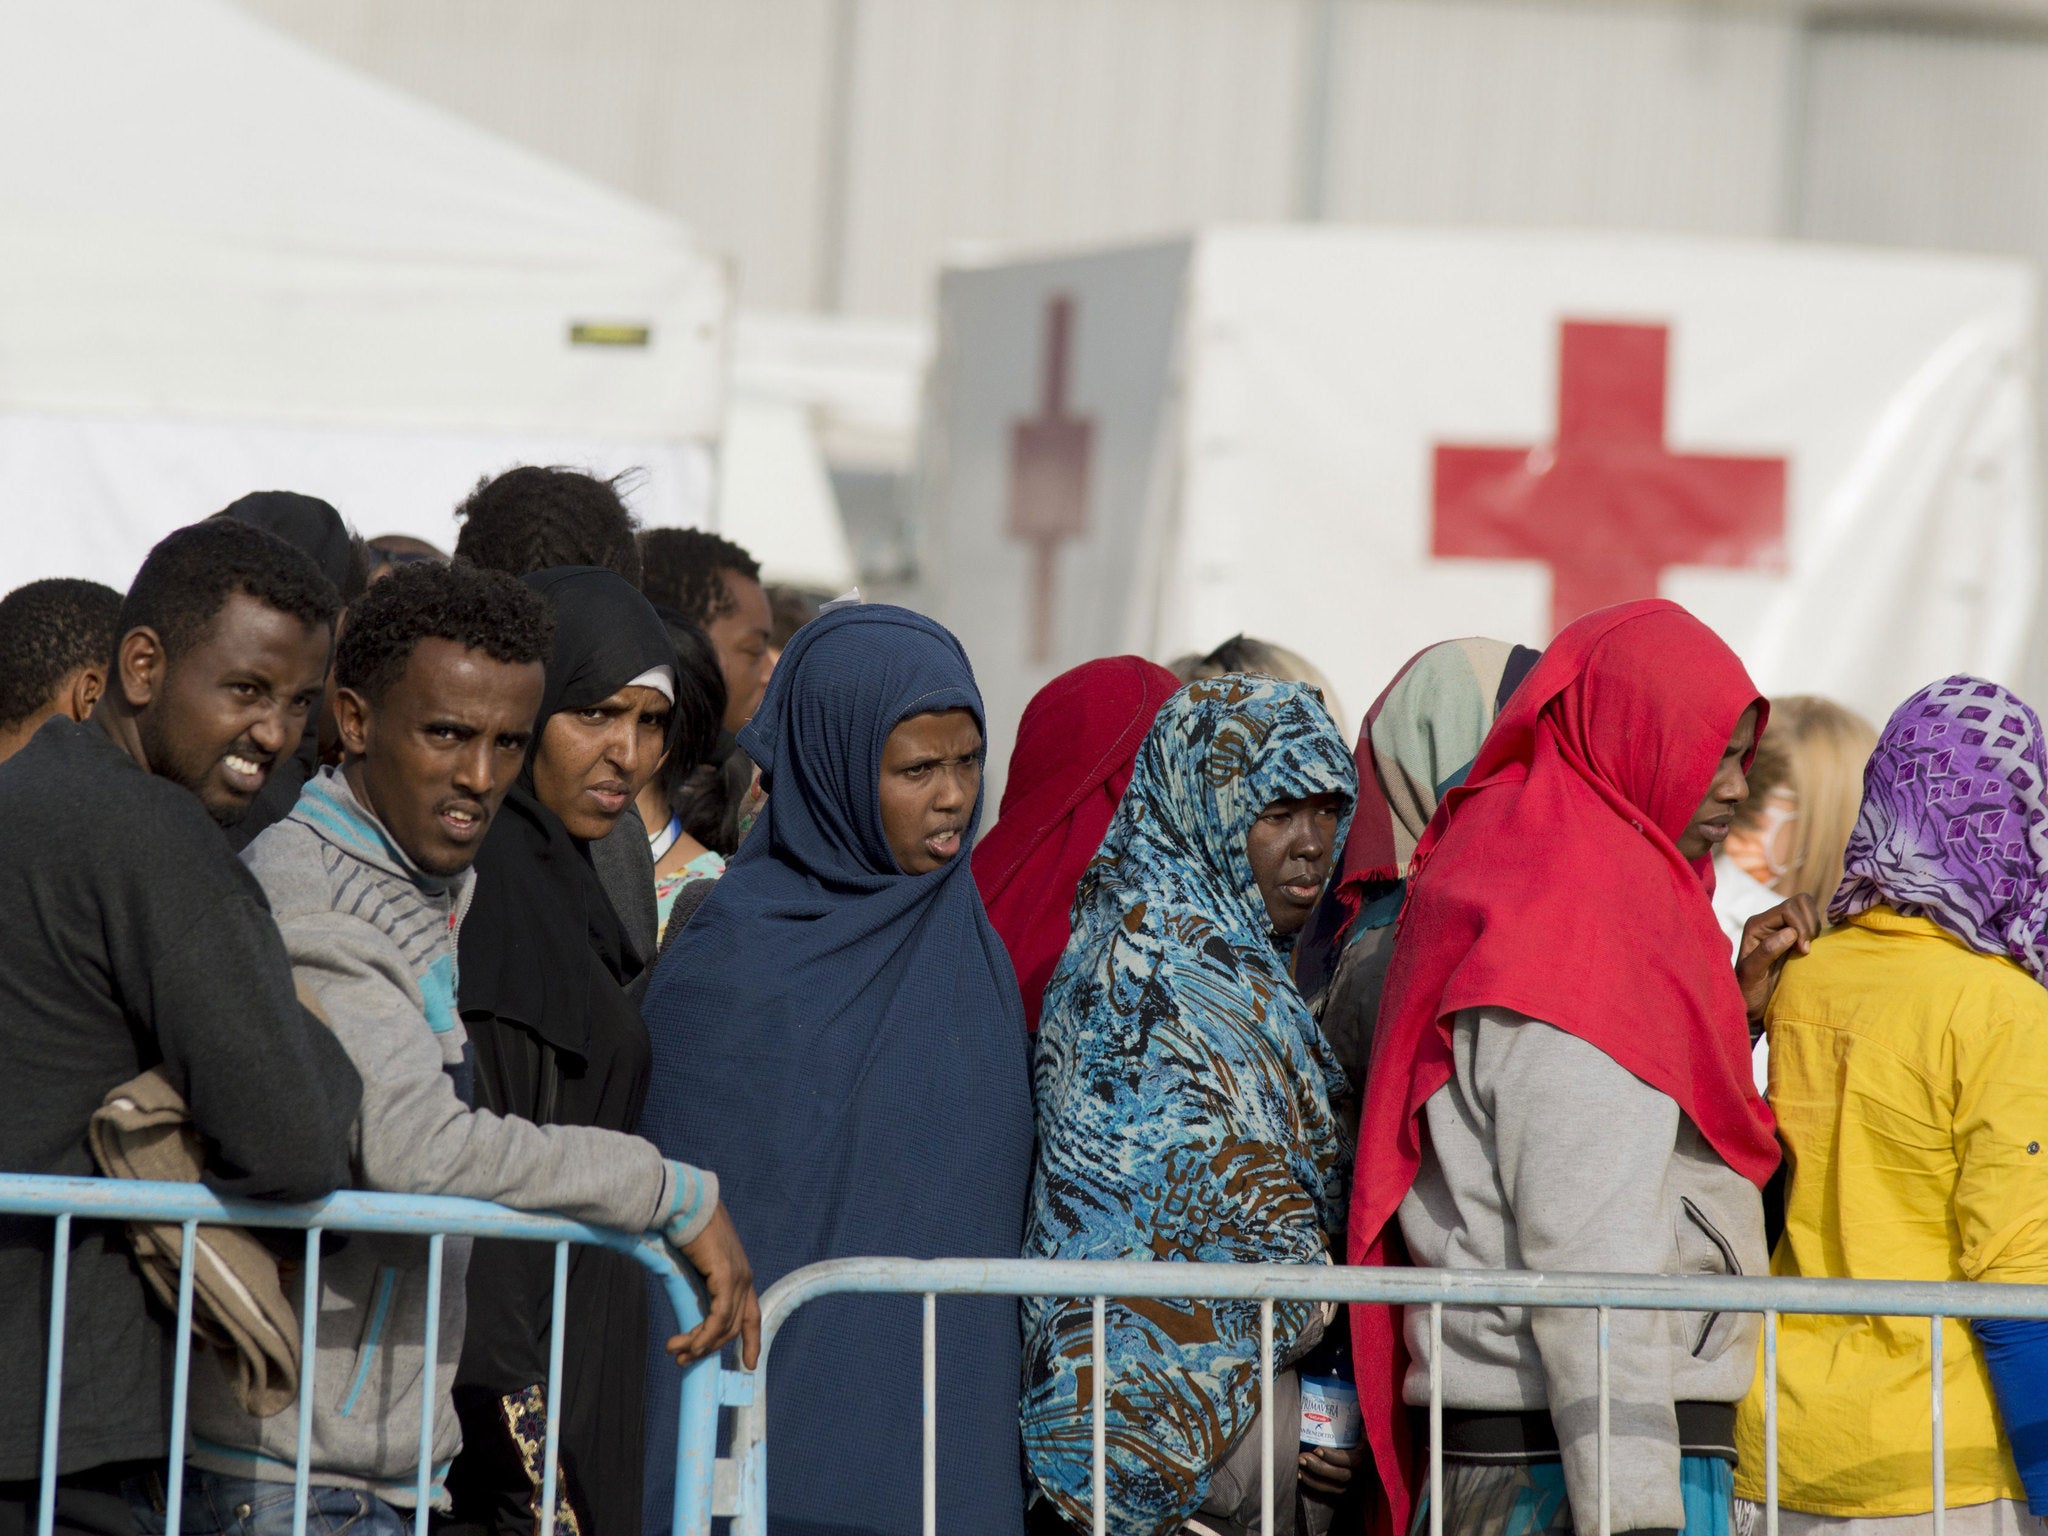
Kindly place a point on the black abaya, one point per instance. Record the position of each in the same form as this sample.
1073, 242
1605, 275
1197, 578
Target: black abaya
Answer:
556, 1074
544, 968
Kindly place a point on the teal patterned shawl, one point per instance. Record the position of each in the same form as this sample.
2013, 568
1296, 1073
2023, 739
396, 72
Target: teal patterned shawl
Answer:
1183, 1104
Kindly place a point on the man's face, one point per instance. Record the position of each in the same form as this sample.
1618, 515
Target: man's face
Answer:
217, 718
740, 636
1709, 826
435, 755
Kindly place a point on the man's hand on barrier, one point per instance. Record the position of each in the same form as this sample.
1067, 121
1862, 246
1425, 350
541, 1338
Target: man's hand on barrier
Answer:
731, 1305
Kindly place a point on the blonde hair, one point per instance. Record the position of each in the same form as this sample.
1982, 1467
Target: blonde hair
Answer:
1241, 653
1816, 750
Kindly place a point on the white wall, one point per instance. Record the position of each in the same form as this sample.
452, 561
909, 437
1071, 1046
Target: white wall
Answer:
838, 150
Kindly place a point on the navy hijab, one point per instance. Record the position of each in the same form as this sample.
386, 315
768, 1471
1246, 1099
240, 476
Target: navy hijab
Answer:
843, 1044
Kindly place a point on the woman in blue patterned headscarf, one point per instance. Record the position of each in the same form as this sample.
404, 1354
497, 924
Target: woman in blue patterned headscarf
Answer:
1184, 1096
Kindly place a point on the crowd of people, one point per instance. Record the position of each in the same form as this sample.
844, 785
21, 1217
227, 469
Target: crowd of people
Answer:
581, 872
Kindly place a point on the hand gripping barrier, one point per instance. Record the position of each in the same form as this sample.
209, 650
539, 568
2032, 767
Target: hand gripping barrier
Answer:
703, 1387
1433, 1288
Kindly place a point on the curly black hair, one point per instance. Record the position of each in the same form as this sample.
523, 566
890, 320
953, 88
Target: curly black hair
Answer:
684, 569
532, 519
48, 630
700, 703
481, 610
190, 575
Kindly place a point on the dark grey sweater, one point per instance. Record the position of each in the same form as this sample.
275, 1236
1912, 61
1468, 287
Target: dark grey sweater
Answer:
130, 936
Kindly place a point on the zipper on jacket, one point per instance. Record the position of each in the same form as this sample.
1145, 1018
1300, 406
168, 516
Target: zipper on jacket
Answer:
1728, 1259
387, 1280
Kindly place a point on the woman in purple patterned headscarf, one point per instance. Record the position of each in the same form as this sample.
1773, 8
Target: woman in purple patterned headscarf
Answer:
1909, 1075
1954, 824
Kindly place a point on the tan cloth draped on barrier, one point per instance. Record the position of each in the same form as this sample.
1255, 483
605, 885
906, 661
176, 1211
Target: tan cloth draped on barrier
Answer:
142, 1130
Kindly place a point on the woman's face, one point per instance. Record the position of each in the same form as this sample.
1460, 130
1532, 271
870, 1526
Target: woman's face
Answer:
1290, 847
591, 762
1710, 823
931, 777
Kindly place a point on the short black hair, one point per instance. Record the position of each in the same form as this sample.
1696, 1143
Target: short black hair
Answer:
48, 630
700, 702
190, 575
684, 570
532, 519
481, 610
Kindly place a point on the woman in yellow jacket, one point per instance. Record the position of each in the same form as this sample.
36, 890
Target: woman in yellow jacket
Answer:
1909, 1074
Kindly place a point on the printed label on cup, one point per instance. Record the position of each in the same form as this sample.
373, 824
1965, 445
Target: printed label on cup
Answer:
1329, 1413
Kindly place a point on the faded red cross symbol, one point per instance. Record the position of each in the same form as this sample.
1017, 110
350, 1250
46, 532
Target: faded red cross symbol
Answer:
1607, 506
1049, 474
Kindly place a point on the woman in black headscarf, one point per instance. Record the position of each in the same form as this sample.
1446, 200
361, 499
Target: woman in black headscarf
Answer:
544, 967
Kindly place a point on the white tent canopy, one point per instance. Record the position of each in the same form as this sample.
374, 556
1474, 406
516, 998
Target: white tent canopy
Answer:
229, 264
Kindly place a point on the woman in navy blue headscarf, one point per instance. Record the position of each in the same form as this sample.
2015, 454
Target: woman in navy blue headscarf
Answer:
838, 1033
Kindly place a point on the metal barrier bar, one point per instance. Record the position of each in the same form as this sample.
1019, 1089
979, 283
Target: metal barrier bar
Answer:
1605, 1316
1934, 1341
1434, 1494
309, 1325
1770, 1424
1266, 1417
432, 1350
181, 1378
1408, 1287
1100, 1396
1770, 1296
433, 1217
53, 1384
931, 1414
552, 1441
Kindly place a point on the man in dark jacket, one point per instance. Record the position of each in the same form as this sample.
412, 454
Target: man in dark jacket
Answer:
131, 938
308, 524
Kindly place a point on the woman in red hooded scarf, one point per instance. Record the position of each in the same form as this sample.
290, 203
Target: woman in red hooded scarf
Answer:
1561, 1081
1076, 746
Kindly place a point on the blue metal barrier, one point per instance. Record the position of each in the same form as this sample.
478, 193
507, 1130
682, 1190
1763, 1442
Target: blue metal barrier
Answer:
703, 1387
1433, 1288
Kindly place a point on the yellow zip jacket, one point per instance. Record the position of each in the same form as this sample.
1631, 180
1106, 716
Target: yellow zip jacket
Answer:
1909, 1074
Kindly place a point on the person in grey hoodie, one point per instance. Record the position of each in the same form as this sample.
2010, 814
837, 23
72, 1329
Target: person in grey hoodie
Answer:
439, 679
1560, 1081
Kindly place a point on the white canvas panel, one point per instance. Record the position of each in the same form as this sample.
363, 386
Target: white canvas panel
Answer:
88, 496
1854, 430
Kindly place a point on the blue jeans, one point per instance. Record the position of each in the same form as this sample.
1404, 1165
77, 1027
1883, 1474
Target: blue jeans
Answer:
219, 1505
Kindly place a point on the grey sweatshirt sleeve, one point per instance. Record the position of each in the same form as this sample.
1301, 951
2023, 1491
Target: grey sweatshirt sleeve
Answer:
1584, 1150
418, 1137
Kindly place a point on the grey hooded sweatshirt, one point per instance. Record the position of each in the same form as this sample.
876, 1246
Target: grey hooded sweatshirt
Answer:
374, 938
1544, 1154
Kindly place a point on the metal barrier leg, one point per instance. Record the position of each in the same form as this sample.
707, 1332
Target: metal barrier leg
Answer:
1266, 1417
309, 1338
931, 1414
1940, 1431
1100, 1405
1770, 1424
423, 1492
1606, 1525
551, 1446
53, 1382
1436, 1418
181, 1381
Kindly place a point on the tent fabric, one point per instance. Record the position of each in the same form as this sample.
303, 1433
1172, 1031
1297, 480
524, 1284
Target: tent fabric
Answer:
228, 261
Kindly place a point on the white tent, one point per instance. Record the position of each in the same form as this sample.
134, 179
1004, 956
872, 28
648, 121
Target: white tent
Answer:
228, 263
1359, 441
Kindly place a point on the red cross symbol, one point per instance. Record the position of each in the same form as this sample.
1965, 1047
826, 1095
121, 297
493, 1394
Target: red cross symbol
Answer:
1049, 474
1607, 506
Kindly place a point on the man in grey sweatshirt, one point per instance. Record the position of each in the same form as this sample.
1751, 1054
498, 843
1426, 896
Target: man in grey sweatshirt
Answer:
439, 678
